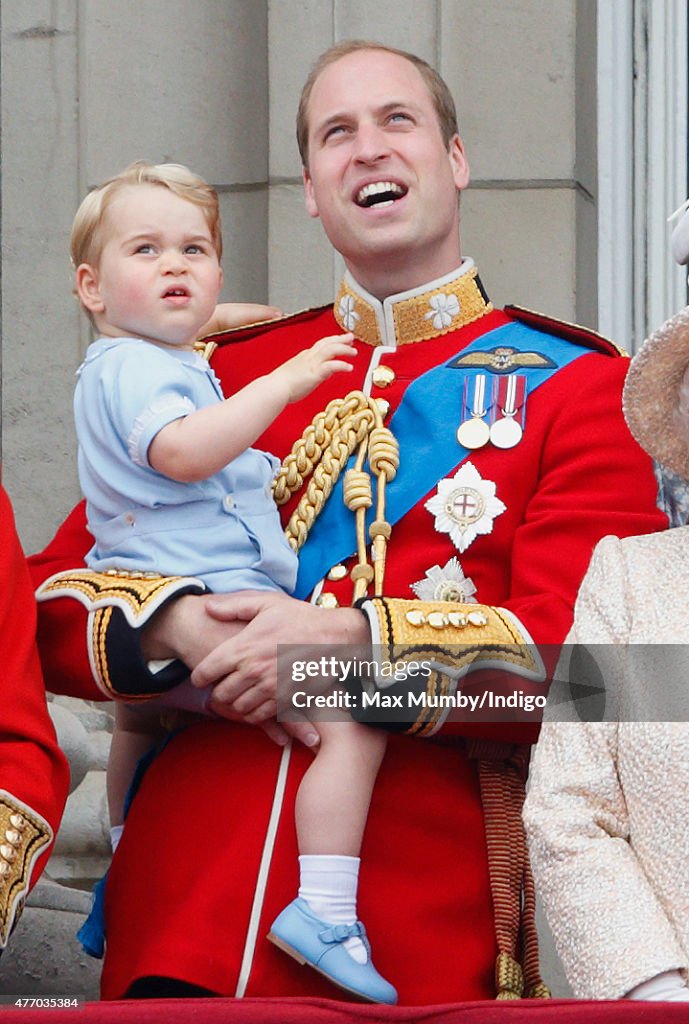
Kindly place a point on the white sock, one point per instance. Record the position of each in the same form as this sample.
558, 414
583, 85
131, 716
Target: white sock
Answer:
115, 836
328, 883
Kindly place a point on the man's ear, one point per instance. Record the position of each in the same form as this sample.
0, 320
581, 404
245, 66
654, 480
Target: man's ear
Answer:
459, 162
309, 197
88, 288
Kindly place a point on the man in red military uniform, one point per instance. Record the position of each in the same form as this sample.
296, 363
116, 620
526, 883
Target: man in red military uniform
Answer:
33, 772
513, 461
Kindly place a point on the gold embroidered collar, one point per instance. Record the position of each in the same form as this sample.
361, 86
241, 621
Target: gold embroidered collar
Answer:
426, 312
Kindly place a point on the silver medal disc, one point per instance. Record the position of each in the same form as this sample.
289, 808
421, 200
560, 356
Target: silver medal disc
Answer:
473, 433
506, 432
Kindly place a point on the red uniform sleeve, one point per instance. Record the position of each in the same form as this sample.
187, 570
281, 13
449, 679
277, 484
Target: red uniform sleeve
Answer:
34, 775
593, 480
62, 622
576, 476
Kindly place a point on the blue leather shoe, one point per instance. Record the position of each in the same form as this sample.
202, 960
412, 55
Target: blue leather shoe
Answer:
310, 940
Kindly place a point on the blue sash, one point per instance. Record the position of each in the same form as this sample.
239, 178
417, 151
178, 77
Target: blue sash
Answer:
425, 425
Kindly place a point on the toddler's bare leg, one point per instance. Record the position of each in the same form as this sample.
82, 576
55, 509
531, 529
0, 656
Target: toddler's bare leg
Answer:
135, 732
335, 793
331, 810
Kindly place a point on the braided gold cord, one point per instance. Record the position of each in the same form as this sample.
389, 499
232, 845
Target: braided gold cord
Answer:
325, 475
383, 453
383, 458
509, 978
321, 453
308, 449
540, 991
357, 489
305, 453
362, 573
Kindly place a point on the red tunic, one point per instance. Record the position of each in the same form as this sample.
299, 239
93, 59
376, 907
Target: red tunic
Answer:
33, 772
181, 891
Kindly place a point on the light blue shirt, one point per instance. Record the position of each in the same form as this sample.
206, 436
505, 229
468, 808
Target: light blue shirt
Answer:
225, 529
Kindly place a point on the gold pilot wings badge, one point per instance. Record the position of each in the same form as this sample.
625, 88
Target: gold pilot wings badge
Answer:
502, 359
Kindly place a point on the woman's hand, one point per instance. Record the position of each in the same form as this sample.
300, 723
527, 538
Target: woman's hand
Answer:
237, 314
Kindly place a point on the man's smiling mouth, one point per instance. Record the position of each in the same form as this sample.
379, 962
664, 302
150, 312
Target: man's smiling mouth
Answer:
379, 193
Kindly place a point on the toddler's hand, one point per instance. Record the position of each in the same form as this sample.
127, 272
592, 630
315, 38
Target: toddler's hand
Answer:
309, 368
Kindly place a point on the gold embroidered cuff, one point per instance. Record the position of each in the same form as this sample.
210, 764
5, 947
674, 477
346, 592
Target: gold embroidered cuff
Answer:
455, 639
137, 594
120, 604
23, 835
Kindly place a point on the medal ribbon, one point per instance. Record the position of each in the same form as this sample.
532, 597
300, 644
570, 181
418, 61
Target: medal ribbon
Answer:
511, 392
478, 406
429, 450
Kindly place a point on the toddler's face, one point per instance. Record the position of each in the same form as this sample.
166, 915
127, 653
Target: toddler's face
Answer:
158, 277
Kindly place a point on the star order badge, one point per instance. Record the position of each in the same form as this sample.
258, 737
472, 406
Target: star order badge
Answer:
446, 584
465, 506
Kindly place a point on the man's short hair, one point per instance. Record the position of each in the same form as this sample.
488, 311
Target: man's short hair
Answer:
440, 94
87, 237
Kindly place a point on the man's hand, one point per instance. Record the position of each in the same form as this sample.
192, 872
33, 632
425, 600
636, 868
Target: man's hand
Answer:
203, 631
237, 314
186, 630
243, 669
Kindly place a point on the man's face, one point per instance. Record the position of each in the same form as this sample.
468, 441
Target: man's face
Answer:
380, 176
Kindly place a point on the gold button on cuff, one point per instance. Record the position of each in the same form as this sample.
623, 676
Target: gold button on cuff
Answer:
18, 822
383, 376
477, 619
338, 572
439, 620
327, 601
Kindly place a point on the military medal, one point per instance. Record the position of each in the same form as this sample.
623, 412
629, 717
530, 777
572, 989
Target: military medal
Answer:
474, 432
506, 430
